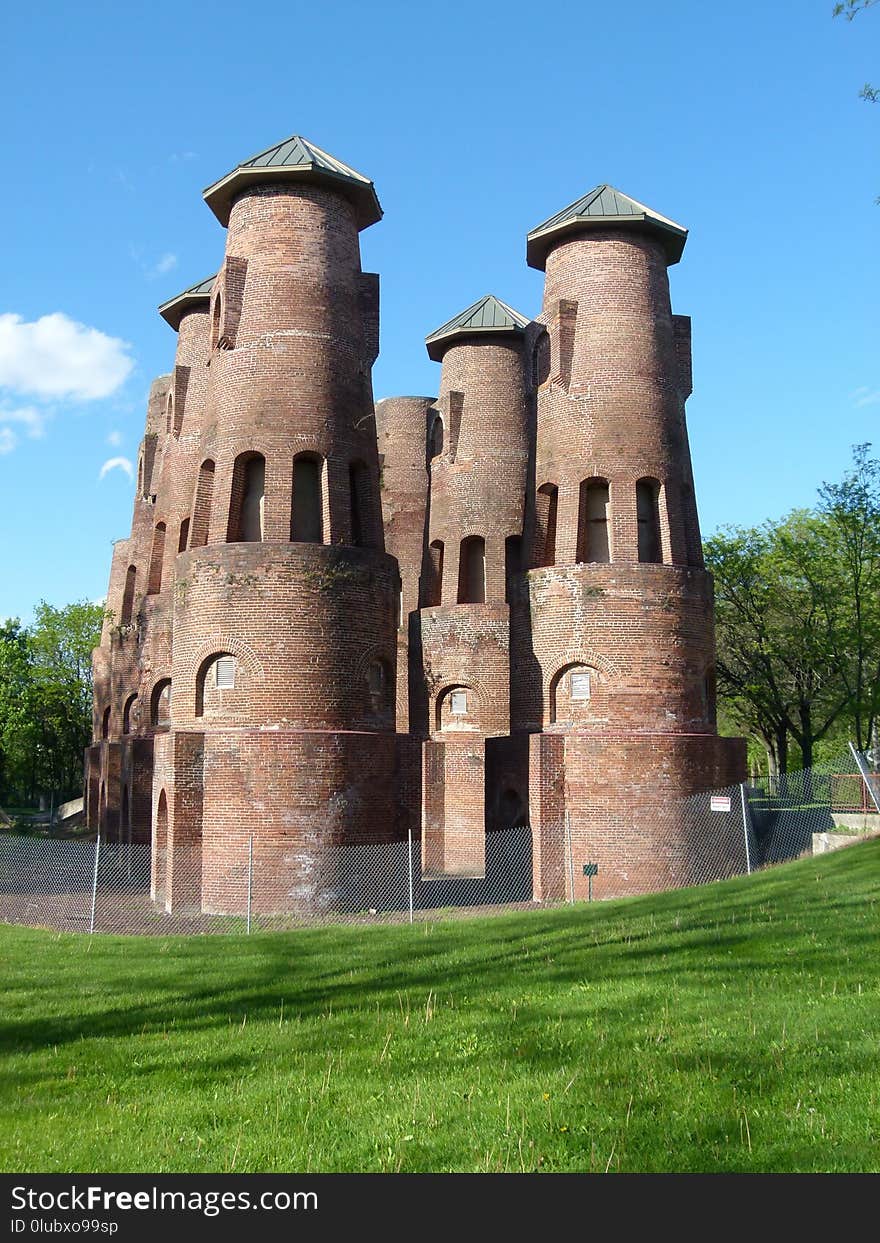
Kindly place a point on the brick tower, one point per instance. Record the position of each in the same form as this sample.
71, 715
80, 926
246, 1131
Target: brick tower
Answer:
467, 618
616, 647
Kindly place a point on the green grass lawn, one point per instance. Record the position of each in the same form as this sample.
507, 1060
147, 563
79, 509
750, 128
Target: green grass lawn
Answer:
731, 1027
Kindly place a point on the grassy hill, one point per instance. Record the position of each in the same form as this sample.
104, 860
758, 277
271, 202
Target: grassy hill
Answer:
731, 1027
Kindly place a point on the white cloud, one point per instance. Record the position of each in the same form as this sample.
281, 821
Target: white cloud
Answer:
167, 263
117, 463
30, 418
8, 440
54, 356
864, 396
114, 438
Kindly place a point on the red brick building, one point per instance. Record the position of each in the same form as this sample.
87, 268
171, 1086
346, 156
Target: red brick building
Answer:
338, 621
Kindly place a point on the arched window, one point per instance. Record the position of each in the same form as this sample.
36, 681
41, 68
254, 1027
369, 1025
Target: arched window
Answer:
216, 675
592, 542
169, 412
512, 564
247, 500
307, 516
472, 571
183, 537
648, 514
570, 693
457, 709
154, 582
201, 519
129, 722
546, 506
105, 723
541, 360
361, 508
128, 596
380, 688
434, 576
216, 322
435, 440
160, 705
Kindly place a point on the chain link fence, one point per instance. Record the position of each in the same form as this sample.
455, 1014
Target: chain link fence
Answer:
96, 886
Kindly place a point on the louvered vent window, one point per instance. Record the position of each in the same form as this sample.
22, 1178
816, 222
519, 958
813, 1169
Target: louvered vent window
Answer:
226, 673
580, 686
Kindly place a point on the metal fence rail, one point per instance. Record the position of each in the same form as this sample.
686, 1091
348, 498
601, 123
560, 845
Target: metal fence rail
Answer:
96, 886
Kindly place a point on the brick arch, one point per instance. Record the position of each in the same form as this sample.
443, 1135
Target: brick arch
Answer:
226, 645
578, 656
359, 667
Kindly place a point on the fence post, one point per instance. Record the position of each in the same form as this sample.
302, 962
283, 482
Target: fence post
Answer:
409, 851
95, 883
570, 856
745, 815
250, 892
864, 776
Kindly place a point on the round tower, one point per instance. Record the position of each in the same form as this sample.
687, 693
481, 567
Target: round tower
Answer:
285, 605
618, 651
478, 452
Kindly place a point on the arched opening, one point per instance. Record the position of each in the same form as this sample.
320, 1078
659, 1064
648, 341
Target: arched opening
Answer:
105, 723
472, 571
160, 705
217, 321
128, 596
435, 439
648, 514
570, 693
169, 412
183, 536
512, 565
160, 848
129, 714
546, 507
360, 499
247, 501
307, 517
541, 360
434, 584
592, 542
457, 709
380, 689
157, 556
201, 519
216, 675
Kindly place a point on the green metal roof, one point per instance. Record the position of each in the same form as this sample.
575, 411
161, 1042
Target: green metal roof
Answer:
295, 159
175, 308
489, 314
602, 207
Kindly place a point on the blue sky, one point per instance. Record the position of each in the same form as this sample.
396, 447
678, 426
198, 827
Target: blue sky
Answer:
476, 122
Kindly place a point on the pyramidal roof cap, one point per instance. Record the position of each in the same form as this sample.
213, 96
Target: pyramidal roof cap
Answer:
600, 208
487, 315
175, 308
295, 159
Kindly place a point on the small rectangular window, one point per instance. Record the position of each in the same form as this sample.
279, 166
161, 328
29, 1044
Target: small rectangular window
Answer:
580, 686
458, 706
226, 673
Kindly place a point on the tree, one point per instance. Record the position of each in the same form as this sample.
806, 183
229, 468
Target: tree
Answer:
798, 618
45, 699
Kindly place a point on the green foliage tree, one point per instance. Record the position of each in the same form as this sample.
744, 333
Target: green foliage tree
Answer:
45, 700
798, 619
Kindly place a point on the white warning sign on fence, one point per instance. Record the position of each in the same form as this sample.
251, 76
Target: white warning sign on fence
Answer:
719, 802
